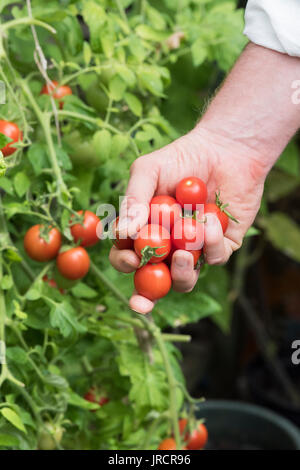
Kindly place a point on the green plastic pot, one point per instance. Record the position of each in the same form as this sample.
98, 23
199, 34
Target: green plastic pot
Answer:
241, 426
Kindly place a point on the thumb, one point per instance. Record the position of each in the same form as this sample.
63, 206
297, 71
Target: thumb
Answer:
134, 209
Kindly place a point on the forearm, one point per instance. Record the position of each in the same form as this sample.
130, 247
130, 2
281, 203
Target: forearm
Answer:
254, 107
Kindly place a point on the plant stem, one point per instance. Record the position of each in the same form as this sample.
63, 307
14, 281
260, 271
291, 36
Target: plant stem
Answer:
176, 338
26, 21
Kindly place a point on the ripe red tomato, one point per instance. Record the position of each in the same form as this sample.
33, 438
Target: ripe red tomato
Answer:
212, 208
153, 281
89, 231
73, 263
192, 191
164, 210
41, 249
94, 397
57, 91
167, 444
198, 438
10, 129
188, 234
121, 243
153, 244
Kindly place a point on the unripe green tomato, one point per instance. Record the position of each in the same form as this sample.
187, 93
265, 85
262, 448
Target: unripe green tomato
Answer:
84, 151
96, 98
49, 436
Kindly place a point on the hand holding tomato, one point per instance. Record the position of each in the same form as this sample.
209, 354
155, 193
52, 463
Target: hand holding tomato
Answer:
228, 167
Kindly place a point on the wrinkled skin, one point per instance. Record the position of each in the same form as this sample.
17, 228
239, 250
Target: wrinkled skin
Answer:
230, 167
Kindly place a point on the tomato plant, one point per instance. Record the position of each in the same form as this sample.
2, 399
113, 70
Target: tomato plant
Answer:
197, 439
114, 104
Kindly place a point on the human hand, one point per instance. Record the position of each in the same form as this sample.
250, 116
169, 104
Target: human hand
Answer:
226, 166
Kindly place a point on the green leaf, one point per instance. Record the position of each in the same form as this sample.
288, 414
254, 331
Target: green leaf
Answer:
8, 441
13, 418
16, 355
6, 184
83, 291
77, 400
87, 53
117, 88
150, 393
197, 305
102, 142
21, 183
146, 32
283, 233
119, 144
134, 104
252, 232
62, 316
37, 155
4, 139
6, 282
56, 381
199, 52
150, 80
280, 184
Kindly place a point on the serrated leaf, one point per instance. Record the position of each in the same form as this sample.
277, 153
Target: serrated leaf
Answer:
62, 316
14, 419
83, 291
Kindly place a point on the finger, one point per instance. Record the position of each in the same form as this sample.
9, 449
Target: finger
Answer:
141, 187
140, 304
125, 261
184, 276
215, 249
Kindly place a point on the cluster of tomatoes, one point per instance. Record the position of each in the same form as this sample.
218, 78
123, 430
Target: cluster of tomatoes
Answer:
168, 230
194, 440
11, 129
44, 243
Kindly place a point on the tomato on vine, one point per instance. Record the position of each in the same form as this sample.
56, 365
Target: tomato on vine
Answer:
153, 244
164, 210
50, 436
192, 191
57, 91
121, 243
93, 396
11, 130
153, 281
42, 243
87, 232
188, 234
167, 444
74, 263
219, 209
197, 439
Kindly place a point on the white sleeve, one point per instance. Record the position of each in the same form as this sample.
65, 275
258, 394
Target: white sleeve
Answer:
274, 24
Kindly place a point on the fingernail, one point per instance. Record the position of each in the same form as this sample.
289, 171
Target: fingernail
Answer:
180, 262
